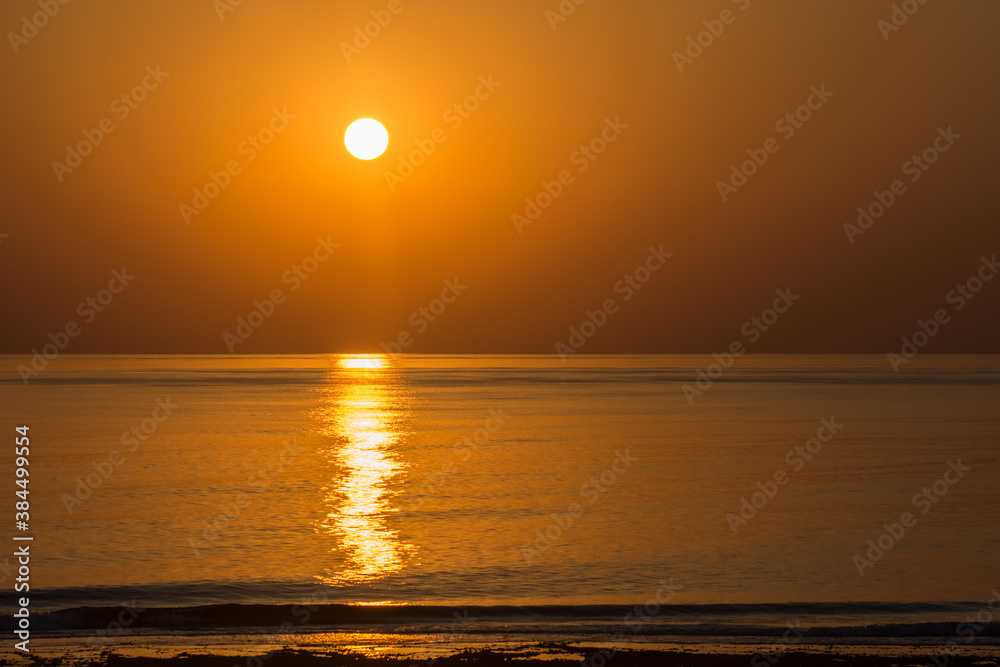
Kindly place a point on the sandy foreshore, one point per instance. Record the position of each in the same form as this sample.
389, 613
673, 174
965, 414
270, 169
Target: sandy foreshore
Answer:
147, 654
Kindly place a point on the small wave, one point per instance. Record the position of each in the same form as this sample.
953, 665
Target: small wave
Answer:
875, 620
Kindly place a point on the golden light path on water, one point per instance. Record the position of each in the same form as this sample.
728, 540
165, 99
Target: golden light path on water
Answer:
363, 414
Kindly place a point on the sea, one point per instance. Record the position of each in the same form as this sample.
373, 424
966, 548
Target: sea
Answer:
430, 504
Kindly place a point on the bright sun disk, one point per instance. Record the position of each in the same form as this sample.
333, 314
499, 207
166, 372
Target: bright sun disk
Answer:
366, 139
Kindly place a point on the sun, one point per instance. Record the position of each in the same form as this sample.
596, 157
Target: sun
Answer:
361, 361
366, 139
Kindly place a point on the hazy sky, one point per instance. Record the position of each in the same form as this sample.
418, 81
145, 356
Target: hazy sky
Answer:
631, 125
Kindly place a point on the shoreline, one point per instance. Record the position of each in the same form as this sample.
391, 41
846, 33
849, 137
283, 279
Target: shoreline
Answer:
242, 651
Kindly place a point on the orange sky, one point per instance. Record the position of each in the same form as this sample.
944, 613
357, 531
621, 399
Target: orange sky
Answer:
200, 81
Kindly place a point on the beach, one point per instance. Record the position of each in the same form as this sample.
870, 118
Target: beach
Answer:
330, 504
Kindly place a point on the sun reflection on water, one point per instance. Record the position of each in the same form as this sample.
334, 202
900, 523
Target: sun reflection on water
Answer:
363, 413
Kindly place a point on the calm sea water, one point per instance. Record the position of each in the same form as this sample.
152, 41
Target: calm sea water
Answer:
514, 480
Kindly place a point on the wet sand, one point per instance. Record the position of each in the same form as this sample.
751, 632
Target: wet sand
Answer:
554, 654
